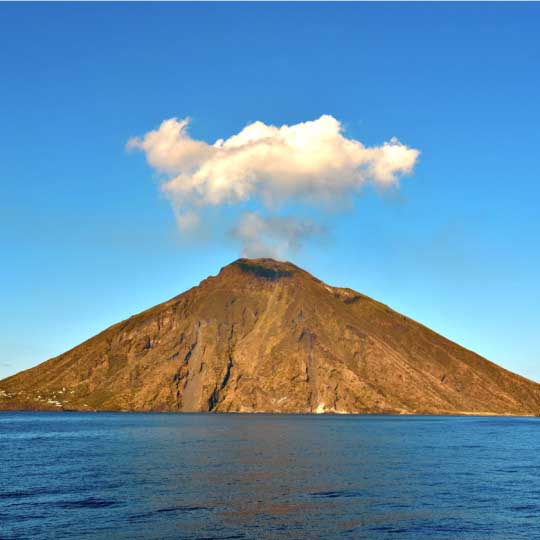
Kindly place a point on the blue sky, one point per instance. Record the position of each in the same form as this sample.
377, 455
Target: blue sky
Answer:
88, 239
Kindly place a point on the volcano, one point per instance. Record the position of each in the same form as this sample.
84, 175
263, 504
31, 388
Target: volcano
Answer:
266, 336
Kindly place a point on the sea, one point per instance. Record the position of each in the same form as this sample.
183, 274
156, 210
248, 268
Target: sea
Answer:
217, 476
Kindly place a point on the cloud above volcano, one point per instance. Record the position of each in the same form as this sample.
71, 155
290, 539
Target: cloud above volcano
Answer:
311, 163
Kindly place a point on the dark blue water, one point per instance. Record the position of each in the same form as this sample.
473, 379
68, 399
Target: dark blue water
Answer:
165, 476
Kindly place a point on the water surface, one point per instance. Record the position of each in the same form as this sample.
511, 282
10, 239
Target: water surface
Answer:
205, 476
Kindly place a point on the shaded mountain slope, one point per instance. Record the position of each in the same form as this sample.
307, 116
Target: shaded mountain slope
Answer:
266, 336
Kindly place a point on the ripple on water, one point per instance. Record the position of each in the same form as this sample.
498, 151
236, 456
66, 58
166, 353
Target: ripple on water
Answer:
91, 502
189, 477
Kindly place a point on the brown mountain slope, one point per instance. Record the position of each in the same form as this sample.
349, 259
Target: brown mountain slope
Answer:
268, 336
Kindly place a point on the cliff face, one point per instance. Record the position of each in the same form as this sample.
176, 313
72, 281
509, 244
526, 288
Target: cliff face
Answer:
264, 336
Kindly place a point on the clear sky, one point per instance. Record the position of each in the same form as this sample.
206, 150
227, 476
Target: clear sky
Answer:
87, 237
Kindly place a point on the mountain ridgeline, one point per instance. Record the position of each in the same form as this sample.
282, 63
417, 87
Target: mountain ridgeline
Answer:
266, 336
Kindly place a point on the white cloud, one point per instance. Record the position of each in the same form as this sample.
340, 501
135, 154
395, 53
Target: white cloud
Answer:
308, 163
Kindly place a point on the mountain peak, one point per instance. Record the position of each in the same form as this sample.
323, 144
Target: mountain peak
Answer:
266, 268
266, 336
262, 270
